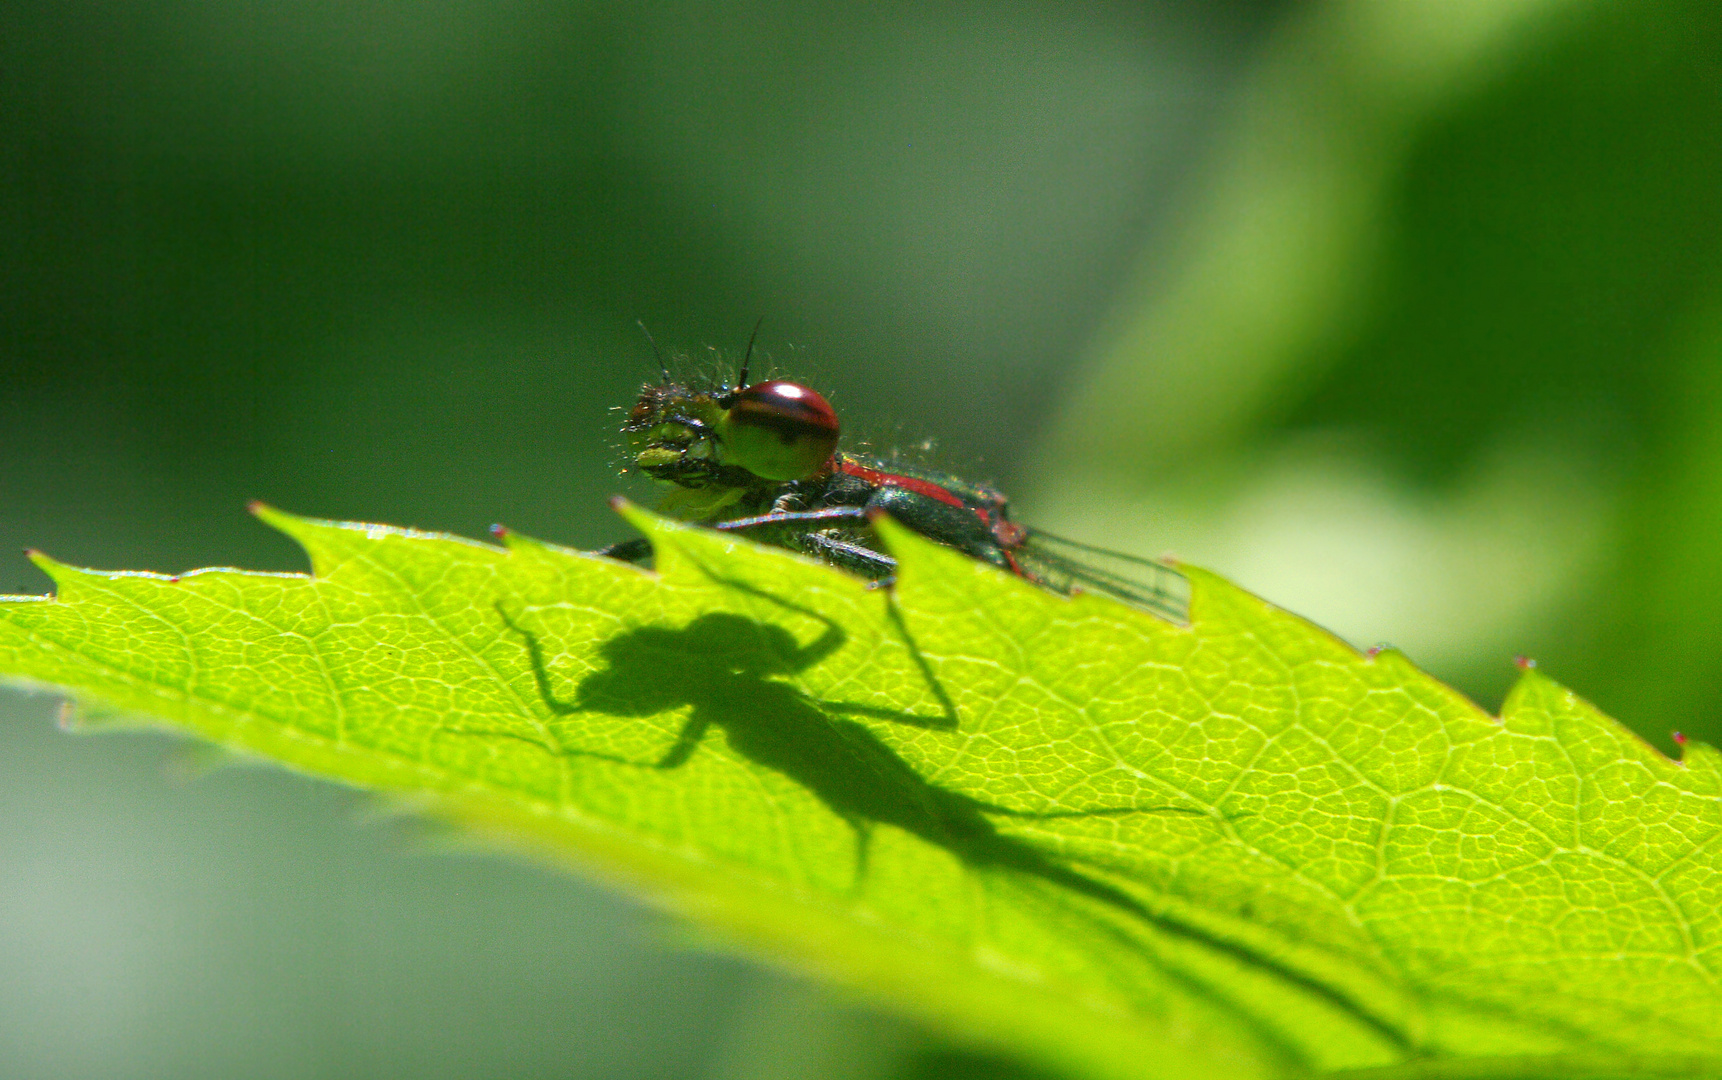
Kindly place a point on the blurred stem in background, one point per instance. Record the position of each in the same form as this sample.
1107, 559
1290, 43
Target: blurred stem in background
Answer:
1282, 247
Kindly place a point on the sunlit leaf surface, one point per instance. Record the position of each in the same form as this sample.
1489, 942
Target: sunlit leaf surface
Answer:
1063, 827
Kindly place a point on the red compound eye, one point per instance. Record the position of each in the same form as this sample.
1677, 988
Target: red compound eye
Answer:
780, 430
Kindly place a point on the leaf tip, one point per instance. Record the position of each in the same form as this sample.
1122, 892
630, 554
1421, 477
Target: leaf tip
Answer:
54, 568
1700, 756
896, 535
83, 715
1530, 679
642, 519
1695, 755
1394, 660
514, 541
918, 558
517, 542
279, 520
1684, 746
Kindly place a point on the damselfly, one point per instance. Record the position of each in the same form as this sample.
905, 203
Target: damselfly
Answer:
764, 460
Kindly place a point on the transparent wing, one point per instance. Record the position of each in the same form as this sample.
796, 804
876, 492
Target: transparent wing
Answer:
1069, 566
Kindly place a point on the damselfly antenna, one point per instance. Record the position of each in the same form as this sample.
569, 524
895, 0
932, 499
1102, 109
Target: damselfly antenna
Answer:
741, 380
662, 366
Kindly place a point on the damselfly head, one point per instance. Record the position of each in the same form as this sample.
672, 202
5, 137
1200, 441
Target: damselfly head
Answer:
730, 435
770, 432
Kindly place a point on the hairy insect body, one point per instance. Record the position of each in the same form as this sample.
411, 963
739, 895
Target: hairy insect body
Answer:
764, 460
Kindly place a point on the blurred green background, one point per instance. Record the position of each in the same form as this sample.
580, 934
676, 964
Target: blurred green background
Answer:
1406, 314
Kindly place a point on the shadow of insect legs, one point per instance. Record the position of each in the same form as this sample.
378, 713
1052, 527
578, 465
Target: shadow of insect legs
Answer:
726, 671
891, 613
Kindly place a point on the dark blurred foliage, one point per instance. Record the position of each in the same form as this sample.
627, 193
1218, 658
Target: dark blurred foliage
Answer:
1548, 233
956, 1065
378, 261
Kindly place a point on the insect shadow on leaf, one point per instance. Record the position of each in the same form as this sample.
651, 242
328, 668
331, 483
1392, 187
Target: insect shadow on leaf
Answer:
728, 671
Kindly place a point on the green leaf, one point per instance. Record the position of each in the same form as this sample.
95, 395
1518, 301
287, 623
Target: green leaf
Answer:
1059, 826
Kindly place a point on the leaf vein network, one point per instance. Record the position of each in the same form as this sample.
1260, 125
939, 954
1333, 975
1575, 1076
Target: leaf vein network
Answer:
552, 741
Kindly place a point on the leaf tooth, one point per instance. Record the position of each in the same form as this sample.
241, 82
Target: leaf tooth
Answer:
84, 713
520, 542
897, 536
67, 578
1702, 758
332, 544
301, 531
668, 536
1397, 665
55, 569
27, 598
641, 518
923, 563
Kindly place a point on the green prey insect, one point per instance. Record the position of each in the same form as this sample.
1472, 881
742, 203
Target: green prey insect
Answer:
764, 460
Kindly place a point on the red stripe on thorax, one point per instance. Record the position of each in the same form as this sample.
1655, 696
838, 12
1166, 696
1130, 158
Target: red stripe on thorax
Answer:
907, 483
